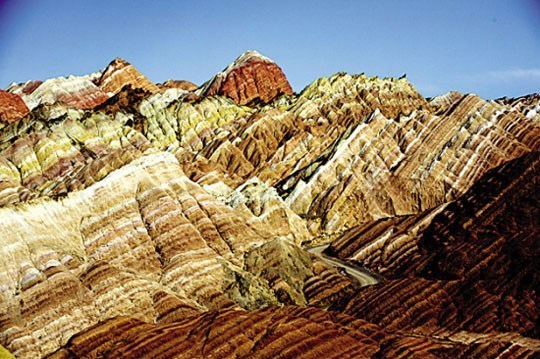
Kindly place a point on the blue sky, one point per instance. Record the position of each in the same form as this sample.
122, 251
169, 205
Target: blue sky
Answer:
490, 47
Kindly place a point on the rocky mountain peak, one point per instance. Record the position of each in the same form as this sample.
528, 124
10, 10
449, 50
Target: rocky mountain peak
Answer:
250, 78
250, 56
119, 73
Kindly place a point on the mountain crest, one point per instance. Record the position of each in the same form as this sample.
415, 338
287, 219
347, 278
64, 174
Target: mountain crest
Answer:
250, 56
250, 78
12, 107
119, 73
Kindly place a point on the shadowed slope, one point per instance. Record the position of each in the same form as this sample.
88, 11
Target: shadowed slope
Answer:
465, 270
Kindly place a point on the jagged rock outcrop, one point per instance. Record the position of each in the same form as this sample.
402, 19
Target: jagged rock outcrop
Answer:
265, 203
333, 134
251, 77
384, 167
12, 107
528, 105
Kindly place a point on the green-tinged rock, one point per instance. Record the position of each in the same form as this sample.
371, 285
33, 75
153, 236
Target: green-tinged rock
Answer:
5, 354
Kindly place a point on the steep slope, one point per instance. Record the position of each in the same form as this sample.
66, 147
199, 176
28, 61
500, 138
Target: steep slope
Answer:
272, 332
78, 92
384, 167
500, 206
251, 77
464, 270
144, 241
332, 149
120, 73
345, 142
12, 107
166, 215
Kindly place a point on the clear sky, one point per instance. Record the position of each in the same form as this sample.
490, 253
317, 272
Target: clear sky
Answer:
489, 47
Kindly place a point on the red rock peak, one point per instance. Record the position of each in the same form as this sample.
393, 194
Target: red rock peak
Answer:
12, 107
249, 78
120, 73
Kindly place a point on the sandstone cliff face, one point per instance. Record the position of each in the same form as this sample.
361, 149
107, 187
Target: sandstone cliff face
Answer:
252, 77
164, 216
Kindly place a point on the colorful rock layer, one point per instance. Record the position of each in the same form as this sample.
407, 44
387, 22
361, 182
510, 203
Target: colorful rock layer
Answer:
12, 107
143, 220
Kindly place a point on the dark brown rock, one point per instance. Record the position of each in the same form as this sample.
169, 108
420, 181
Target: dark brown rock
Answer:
470, 266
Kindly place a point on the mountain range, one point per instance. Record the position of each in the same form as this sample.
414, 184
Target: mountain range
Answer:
238, 218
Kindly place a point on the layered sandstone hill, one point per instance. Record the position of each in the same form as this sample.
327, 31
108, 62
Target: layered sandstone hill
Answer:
144, 220
145, 241
347, 150
120, 73
81, 92
464, 270
272, 332
252, 77
12, 107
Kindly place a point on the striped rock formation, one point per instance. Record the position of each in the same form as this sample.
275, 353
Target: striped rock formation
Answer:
164, 216
503, 201
120, 73
84, 92
251, 77
383, 167
272, 332
76, 91
144, 241
465, 270
528, 105
12, 107
25, 88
